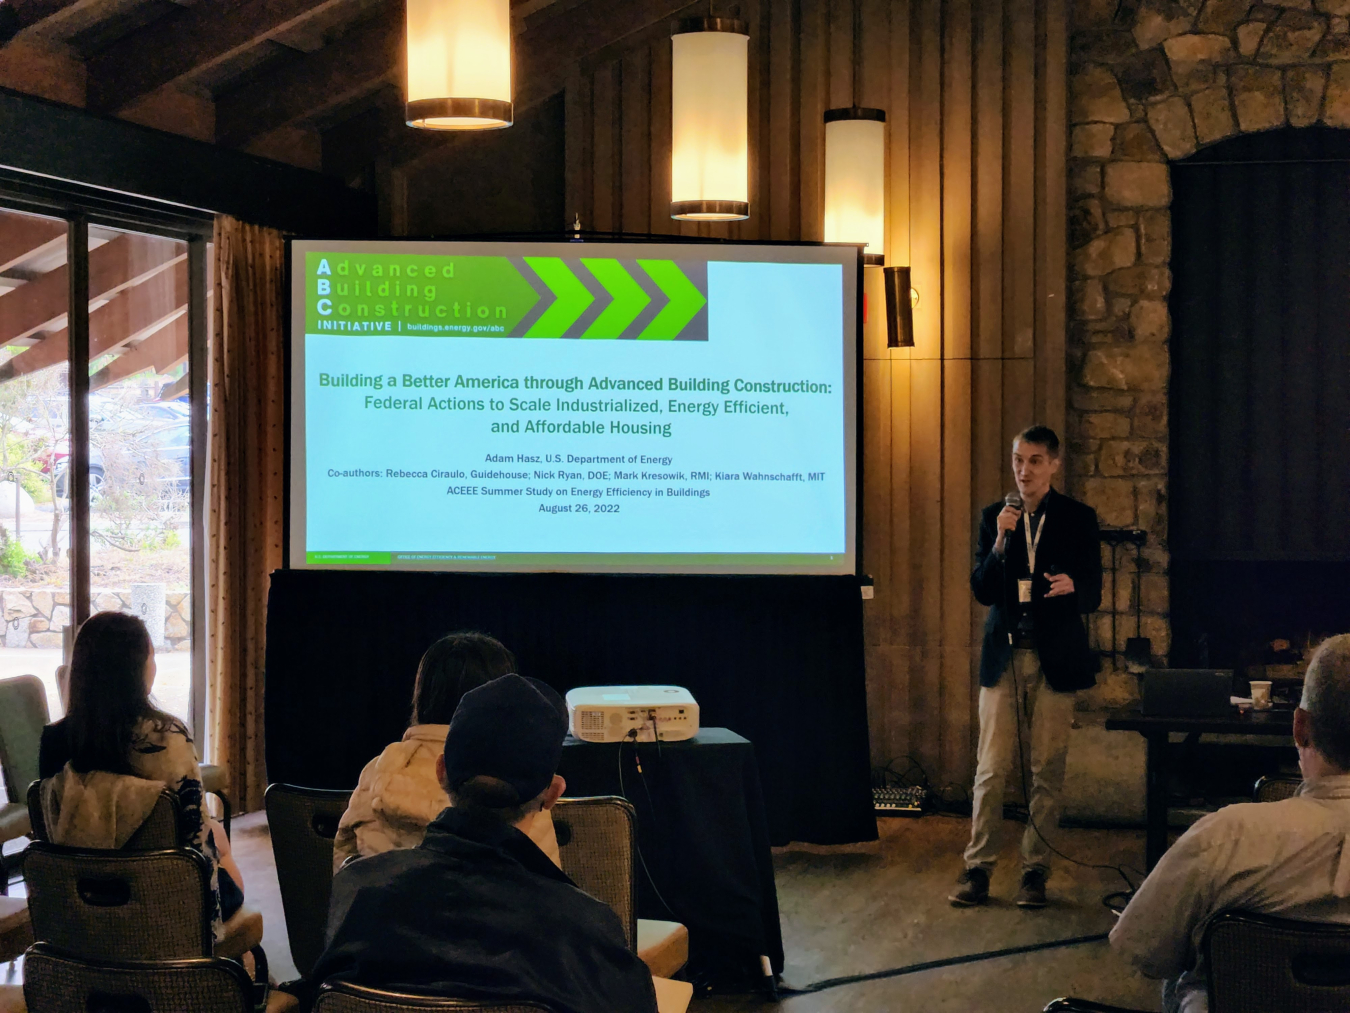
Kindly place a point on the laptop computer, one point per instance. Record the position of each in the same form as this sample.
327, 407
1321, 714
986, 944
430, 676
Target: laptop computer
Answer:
1188, 692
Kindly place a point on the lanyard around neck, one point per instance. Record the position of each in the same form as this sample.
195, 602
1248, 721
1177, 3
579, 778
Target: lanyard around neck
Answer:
1033, 543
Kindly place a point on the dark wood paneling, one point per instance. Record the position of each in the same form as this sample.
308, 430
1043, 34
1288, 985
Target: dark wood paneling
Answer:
503, 181
974, 95
1051, 212
634, 128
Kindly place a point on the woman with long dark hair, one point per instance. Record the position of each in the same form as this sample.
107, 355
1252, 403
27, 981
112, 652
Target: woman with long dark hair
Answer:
399, 793
112, 725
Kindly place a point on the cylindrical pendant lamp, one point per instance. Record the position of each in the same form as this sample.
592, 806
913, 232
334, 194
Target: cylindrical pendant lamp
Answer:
855, 180
710, 123
459, 64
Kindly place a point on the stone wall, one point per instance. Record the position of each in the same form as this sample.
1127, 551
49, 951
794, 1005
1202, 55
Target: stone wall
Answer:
34, 616
1153, 80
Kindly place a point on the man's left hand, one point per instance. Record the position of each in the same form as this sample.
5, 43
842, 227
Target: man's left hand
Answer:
1060, 583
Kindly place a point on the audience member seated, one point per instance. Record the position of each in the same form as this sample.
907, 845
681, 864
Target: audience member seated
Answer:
398, 793
1290, 859
477, 911
113, 753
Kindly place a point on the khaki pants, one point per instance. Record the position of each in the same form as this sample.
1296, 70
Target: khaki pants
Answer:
1049, 715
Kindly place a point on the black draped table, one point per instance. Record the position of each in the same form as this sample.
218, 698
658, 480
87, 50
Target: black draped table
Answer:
779, 659
704, 838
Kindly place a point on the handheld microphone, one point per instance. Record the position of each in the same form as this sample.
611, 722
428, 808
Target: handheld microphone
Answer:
1013, 499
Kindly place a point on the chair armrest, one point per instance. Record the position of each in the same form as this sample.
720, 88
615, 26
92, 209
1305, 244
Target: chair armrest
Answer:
1070, 1005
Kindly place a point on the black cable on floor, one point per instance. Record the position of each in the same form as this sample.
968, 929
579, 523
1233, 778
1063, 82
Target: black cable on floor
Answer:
929, 965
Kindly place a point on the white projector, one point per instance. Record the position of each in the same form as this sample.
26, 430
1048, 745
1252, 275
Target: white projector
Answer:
632, 713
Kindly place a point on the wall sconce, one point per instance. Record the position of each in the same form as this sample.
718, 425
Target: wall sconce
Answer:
710, 128
855, 180
459, 64
901, 298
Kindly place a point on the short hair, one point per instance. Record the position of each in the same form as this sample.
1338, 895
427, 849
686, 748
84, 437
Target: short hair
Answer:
1042, 435
452, 666
493, 799
1326, 698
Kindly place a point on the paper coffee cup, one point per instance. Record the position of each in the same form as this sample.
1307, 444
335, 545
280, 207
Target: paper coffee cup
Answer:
1261, 695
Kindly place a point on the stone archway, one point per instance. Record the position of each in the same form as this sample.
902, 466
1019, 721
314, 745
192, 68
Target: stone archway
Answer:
1152, 81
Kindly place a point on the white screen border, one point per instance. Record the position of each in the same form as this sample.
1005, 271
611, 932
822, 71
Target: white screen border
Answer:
846, 256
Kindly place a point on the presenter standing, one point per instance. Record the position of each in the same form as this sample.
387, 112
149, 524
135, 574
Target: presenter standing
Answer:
1038, 567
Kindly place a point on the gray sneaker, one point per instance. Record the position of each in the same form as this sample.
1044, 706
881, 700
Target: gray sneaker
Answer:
1032, 893
972, 888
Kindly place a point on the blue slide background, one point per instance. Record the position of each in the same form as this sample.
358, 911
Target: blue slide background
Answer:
767, 321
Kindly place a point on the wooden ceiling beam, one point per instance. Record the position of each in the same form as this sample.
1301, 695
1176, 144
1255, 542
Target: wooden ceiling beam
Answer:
129, 316
161, 351
186, 40
179, 388
139, 311
23, 236
18, 15
365, 59
125, 261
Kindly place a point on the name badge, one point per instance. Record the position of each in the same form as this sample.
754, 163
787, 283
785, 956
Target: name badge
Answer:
1024, 590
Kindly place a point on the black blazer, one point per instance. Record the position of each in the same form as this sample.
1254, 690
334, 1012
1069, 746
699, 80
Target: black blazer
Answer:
1069, 545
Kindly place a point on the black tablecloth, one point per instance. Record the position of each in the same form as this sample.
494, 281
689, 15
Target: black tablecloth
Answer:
703, 834
778, 658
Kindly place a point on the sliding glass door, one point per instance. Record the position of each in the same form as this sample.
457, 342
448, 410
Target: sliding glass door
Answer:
103, 317
140, 446
35, 515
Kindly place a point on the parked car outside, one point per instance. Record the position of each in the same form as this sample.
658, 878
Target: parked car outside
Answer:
159, 452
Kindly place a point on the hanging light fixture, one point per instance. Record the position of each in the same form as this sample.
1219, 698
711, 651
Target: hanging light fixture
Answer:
855, 194
459, 64
710, 127
855, 168
855, 180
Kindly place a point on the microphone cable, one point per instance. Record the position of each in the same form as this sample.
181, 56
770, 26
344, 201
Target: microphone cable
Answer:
770, 980
853, 979
894, 972
1110, 901
930, 965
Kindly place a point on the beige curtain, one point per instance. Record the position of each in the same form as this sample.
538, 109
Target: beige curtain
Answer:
247, 454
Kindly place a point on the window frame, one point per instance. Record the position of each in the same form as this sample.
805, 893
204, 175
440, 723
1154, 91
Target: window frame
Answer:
81, 206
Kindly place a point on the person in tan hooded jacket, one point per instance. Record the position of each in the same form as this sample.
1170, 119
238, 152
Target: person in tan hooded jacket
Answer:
105, 763
398, 793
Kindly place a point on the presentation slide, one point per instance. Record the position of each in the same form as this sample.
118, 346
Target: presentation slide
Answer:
585, 407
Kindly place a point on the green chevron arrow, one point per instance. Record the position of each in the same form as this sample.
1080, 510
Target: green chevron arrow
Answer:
571, 298
685, 300
629, 298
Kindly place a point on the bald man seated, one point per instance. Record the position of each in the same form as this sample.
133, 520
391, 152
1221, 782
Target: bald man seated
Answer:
1290, 859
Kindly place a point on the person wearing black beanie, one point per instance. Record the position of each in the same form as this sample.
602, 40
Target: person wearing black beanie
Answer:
478, 911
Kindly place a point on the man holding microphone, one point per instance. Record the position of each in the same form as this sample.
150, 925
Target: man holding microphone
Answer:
1038, 567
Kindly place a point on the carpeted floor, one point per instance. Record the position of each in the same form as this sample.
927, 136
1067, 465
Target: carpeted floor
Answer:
869, 908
